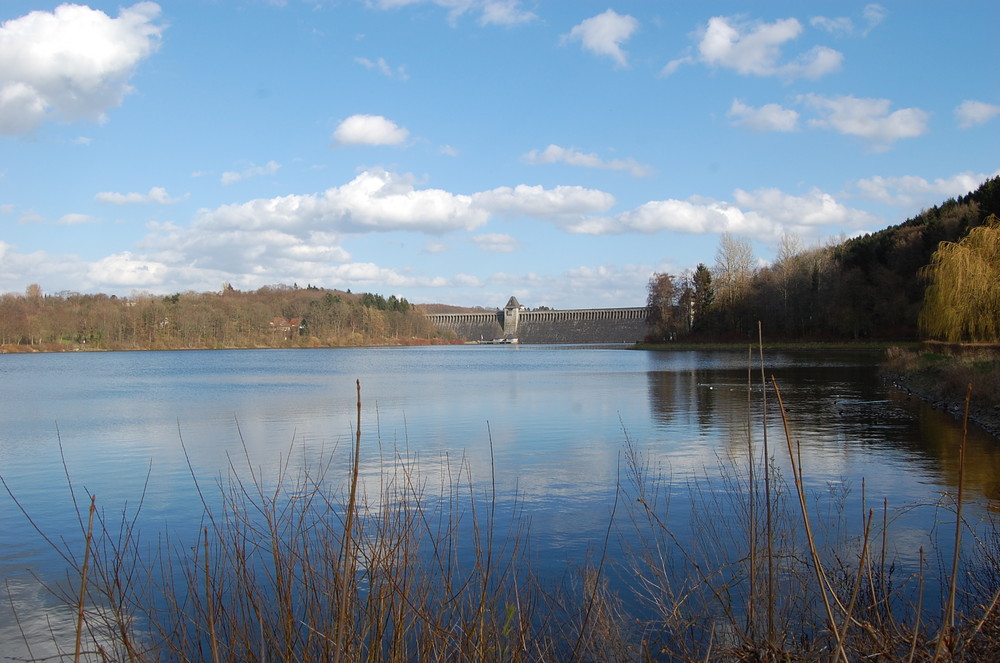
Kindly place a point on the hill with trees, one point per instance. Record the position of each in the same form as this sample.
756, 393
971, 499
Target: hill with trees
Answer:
272, 316
872, 287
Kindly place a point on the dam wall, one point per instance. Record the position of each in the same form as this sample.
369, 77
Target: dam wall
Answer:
517, 324
470, 326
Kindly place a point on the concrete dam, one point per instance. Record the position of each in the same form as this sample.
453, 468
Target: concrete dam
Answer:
516, 324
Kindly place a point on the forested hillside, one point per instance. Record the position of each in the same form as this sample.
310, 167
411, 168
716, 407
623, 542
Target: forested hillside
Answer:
867, 288
275, 316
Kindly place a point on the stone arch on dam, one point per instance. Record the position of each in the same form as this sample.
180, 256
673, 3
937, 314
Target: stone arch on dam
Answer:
515, 323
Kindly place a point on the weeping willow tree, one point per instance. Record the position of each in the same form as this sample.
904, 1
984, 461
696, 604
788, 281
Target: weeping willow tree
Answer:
962, 299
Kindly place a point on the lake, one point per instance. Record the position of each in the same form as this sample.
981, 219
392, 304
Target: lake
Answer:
546, 427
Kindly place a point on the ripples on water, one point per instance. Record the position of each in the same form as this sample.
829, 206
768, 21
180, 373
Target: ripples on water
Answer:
547, 423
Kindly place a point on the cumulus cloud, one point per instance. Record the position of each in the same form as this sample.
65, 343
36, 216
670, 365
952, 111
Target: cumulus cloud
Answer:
561, 202
754, 48
73, 63
574, 157
915, 192
604, 35
375, 200
369, 130
815, 208
765, 214
267, 239
869, 119
769, 117
126, 269
688, 216
233, 176
973, 113
156, 194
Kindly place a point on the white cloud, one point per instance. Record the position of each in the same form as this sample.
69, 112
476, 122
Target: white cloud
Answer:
604, 34
915, 192
573, 157
671, 67
504, 12
369, 130
813, 209
156, 194
74, 219
844, 26
765, 214
769, 117
267, 240
676, 215
973, 113
755, 49
71, 64
535, 201
873, 14
232, 176
380, 65
125, 269
495, 242
492, 12
373, 201
869, 119
841, 26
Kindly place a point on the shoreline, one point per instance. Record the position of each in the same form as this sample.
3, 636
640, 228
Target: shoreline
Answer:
927, 386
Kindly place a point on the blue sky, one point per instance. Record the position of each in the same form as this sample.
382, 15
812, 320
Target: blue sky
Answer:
462, 151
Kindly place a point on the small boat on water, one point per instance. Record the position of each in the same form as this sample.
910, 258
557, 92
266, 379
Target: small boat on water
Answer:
497, 341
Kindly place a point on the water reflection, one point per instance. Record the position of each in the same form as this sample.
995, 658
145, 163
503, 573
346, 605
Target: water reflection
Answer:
544, 427
848, 422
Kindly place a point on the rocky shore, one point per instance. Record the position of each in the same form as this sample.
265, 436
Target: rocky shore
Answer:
928, 385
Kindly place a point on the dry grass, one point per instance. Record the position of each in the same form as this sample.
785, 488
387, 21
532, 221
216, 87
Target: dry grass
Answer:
304, 568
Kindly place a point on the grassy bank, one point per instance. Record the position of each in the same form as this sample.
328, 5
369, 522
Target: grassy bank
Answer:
319, 564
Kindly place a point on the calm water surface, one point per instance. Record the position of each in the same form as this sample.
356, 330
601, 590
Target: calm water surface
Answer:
547, 423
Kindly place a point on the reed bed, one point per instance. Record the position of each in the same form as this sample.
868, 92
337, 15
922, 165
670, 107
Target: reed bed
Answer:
303, 567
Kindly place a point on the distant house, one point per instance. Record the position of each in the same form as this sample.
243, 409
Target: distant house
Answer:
287, 327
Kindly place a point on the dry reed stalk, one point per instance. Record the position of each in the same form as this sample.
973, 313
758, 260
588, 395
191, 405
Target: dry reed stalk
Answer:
947, 636
769, 527
348, 580
752, 530
821, 580
848, 615
213, 639
919, 612
83, 578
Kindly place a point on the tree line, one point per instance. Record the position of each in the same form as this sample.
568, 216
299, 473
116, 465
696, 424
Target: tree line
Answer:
933, 276
272, 316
